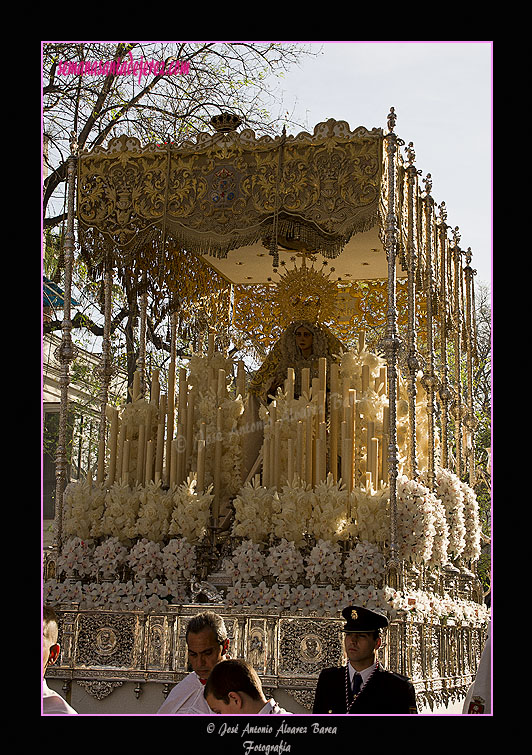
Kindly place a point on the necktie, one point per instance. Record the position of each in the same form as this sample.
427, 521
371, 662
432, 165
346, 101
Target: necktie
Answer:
357, 683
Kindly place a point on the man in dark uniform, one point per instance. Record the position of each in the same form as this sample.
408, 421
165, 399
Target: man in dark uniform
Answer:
363, 686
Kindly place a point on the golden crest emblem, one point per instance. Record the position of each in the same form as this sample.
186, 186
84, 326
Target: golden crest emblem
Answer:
354, 615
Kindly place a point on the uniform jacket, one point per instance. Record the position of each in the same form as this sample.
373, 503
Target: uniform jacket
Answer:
385, 693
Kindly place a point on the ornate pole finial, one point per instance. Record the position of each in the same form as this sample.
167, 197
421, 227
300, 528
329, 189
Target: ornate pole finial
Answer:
428, 183
410, 154
456, 236
392, 119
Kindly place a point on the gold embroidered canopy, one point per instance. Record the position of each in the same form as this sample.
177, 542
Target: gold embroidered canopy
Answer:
228, 190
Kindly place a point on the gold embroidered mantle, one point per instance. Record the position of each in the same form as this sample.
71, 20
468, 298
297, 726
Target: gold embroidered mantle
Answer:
229, 190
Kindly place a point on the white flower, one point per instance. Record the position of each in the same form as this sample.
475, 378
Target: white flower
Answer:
179, 559
247, 562
109, 557
145, 559
471, 550
75, 558
285, 561
324, 562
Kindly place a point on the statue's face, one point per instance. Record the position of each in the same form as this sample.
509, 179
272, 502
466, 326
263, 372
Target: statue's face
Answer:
304, 339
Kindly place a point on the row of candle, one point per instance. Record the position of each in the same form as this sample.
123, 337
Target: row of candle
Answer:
160, 449
315, 446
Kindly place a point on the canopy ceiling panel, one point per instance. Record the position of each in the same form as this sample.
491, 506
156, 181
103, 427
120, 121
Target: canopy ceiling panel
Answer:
238, 200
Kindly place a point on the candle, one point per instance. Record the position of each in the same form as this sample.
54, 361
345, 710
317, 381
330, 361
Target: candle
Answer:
240, 379
291, 377
139, 472
200, 484
299, 451
125, 463
361, 340
365, 377
190, 425
266, 463
159, 454
305, 380
218, 465
210, 350
277, 454
120, 450
148, 472
322, 371
308, 446
220, 391
290, 461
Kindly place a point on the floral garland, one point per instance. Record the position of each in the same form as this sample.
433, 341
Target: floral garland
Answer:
416, 530
473, 533
449, 489
425, 606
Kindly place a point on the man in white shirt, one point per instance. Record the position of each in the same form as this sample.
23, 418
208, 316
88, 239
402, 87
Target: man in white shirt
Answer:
52, 702
207, 645
234, 687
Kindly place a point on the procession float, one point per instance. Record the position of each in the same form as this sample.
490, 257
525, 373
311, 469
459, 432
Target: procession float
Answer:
278, 486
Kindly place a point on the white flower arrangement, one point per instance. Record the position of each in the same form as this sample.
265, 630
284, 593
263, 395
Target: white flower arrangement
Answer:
364, 564
145, 559
471, 550
292, 509
155, 508
449, 490
246, 563
416, 529
285, 562
440, 544
83, 503
253, 512
330, 517
324, 562
109, 556
372, 515
179, 560
120, 513
75, 558
191, 511
423, 606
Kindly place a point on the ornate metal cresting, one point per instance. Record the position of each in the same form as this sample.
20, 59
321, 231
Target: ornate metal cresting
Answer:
66, 352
